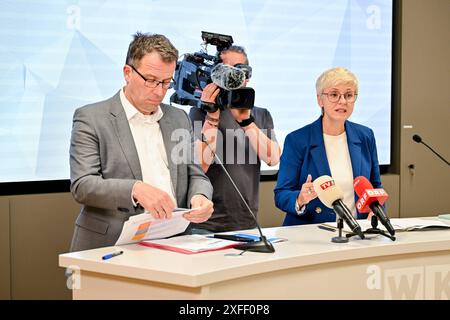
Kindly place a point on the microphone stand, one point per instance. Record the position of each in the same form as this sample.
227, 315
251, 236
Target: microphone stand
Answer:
374, 229
418, 139
262, 245
437, 154
340, 238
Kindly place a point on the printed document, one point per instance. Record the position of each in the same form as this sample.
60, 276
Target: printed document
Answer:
144, 226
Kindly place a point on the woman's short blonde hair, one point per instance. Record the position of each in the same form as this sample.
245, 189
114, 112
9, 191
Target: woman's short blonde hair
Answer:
334, 77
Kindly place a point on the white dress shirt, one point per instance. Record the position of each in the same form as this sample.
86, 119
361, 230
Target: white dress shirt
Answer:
150, 147
341, 169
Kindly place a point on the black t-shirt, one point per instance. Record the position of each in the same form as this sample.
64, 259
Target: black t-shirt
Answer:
242, 163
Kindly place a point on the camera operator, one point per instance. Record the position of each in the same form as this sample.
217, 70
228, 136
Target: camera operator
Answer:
252, 131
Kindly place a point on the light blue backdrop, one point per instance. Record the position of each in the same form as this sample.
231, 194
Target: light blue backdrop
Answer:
56, 56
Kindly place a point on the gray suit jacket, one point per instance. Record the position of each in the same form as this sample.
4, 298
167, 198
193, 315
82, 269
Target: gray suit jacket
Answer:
104, 166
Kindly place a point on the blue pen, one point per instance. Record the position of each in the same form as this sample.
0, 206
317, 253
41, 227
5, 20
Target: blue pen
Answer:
111, 255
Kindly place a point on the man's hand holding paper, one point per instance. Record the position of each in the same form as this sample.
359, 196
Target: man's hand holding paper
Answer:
203, 208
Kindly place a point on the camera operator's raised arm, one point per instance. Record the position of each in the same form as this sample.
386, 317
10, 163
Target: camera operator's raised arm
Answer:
267, 149
206, 149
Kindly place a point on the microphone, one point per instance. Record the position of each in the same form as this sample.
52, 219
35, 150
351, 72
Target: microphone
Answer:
263, 245
331, 195
418, 139
373, 199
228, 77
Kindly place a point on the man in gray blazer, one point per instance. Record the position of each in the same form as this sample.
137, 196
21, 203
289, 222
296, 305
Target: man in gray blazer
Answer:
125, 151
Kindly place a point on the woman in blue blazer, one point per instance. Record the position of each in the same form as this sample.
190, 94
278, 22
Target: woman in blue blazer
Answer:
332, 146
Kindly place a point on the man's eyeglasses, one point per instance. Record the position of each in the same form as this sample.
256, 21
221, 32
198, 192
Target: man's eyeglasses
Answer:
151, 83
335, 96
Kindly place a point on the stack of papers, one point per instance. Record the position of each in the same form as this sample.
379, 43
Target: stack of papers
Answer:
412, 224
399, 224
190, 244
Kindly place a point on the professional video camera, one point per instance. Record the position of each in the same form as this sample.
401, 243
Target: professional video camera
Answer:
198, 69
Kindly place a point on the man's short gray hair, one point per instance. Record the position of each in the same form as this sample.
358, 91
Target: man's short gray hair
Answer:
145, 43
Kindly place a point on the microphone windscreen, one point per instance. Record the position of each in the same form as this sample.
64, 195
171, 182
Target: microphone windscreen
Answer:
227, 77
417, 138
361, 184
327, 191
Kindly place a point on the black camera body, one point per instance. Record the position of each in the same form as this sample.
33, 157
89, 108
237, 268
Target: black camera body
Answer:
193, 73
242, 98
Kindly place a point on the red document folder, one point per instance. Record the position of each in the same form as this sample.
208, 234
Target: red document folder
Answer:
190, 244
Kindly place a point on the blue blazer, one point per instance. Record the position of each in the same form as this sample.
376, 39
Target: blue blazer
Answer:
304, 153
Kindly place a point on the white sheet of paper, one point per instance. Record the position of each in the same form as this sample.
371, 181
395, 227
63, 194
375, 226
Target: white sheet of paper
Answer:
144, 227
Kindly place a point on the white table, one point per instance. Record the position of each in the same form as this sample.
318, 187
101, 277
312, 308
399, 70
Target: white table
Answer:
307, 266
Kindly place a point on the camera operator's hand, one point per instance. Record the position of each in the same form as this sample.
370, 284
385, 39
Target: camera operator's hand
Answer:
210, 93
240, 114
